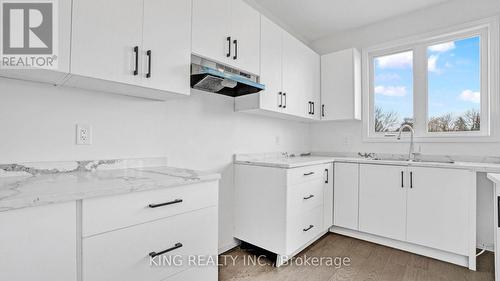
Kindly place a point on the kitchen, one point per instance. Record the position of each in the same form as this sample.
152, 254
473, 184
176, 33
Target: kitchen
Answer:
140, 122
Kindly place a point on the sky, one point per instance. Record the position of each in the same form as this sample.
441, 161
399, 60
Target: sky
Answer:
453, 79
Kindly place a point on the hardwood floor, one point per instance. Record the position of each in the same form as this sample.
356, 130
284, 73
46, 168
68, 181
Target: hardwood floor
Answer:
368, 261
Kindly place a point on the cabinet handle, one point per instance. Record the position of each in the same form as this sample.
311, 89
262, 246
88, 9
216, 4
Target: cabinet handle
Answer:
309, 228
176, 246
308, 197
176, 201
402, 179
235, 42
280, 94
284, 95
136, 52
309, 107
411, 179
148, 53
308, 174
322, 110
312, 108
327, 176
229, 46
498, 209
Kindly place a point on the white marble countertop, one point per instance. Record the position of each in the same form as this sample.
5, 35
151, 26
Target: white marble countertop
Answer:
279, 161
47, 188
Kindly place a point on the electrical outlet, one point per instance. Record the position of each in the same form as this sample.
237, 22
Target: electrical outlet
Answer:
83, 134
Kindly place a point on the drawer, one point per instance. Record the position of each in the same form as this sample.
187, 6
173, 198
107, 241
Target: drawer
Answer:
114, 212
304, 228
304, 196
124, 254
307, 173
206, 273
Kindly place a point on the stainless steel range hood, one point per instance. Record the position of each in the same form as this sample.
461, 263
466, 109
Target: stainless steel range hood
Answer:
213, 77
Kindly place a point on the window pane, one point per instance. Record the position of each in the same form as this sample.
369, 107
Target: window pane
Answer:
393, 91
454, 85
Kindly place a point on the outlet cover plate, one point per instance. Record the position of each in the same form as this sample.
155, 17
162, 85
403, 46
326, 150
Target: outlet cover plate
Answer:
83, 134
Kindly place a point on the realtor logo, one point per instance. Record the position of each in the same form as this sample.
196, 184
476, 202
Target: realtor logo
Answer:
28, 34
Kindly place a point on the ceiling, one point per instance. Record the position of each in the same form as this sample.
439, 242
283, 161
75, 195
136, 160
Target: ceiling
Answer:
315, 19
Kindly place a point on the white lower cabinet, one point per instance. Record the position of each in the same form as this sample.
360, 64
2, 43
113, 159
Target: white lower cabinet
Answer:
156, 235
283, 210
39, 243
427, 210
346, 195
382, 200
437, 213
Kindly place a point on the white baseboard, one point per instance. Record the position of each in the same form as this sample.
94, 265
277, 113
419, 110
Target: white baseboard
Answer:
412, 248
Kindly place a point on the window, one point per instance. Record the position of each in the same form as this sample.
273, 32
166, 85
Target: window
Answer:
439, 84
454, 86
393, 91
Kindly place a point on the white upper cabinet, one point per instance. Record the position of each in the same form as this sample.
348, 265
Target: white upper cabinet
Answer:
227, 31
142, 50
167, 45
341, 85
290, 72
106, 47
271, 62
211, 29
57, 75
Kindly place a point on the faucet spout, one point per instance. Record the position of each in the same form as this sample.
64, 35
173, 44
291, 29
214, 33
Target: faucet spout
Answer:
411, 153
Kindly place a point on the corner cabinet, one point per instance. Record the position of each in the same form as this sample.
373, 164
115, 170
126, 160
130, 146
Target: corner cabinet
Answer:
430, 211
227, 31
291, 73
341, 85
144, 50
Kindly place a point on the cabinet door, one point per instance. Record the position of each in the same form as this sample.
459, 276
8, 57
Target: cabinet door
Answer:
438, 208
167, 37
345, 196
271, 65
382, 200
103, 39
211, 27
294, 68
341, 85
39, 243
312, 82
328, 197
245, 28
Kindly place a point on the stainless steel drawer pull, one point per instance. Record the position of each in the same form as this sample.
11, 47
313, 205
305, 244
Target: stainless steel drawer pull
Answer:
309, 228
308, 197
308, 174
176, 201
176, 246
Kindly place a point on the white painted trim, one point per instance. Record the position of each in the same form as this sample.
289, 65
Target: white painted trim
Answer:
420, 250
229, 246
488, 29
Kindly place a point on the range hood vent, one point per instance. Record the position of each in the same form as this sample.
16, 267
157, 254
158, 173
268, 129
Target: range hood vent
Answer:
213, 77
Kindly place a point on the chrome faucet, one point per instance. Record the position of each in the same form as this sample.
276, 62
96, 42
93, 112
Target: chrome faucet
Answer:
411, 152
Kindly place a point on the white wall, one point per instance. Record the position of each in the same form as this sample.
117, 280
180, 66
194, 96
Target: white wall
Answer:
37, 123
346, 136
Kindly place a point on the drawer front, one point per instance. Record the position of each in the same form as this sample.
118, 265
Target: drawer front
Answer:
304, 197
114, 212
302, 229
124, 254
305, 174
206, 273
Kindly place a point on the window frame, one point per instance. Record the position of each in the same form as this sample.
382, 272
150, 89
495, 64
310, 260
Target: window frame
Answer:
487, 30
